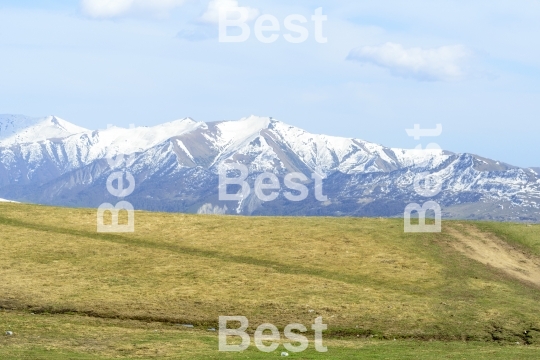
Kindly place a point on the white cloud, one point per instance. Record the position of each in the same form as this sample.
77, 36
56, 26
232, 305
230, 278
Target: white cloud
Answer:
211, 15
115, 8
446, 63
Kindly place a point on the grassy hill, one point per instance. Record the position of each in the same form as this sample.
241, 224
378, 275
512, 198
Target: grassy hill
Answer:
472, 291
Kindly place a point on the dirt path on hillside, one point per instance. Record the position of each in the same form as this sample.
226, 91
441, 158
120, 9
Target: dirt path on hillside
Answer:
490, 250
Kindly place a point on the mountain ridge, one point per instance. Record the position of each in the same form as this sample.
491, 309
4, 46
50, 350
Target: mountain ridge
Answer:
176, 167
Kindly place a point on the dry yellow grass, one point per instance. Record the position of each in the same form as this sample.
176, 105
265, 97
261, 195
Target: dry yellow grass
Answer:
364, 276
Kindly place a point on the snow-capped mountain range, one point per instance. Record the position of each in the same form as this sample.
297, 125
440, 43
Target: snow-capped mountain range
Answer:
176, 165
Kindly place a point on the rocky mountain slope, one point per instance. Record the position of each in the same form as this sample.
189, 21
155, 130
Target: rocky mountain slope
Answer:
176, 167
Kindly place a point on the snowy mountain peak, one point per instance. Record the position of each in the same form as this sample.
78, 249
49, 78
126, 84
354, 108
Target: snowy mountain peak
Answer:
179, 122
251, 123
64, 125
243, 128
115, 140
11, 124
17, 129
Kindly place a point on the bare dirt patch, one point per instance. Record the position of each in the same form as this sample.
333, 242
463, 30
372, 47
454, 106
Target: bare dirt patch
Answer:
492, 251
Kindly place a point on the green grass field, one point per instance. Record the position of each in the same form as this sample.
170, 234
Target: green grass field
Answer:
68, 292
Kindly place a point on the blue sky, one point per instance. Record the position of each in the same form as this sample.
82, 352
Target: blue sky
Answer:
473, 67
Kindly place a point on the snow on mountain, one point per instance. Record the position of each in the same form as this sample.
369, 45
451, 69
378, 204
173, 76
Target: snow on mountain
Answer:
18, 129
266, 142
232, 134
11, 124
69, 147
176, 167
115, 140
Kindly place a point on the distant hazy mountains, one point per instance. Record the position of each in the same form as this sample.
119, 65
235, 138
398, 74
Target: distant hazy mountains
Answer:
175, 165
